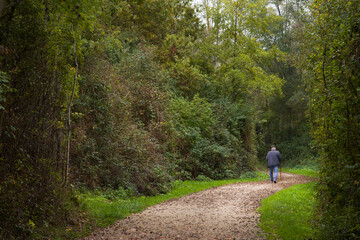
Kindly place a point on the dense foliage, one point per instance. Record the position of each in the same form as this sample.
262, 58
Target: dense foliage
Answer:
37, 49
286, 124
333, 82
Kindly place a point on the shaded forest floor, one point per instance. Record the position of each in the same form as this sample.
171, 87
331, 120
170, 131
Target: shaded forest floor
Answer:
226, 212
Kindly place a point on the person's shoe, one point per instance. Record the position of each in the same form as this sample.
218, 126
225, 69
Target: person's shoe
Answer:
274, 181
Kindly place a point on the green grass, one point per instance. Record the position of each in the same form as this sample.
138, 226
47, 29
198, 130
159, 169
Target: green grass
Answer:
106, 212
287, 214
303, 171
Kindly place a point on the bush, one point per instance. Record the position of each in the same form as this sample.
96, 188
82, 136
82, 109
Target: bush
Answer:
248, 175
118, 127
203, 178
210, 148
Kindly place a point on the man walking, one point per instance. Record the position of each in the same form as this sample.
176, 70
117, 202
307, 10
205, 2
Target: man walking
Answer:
273, 158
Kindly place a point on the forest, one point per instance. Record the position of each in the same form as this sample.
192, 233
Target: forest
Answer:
133, 95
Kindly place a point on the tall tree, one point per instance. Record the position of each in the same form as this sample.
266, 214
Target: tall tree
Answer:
37, 57
333, 83
287, 124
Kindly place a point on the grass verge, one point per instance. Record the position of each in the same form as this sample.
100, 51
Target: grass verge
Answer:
106, 212
309, 172
287, 214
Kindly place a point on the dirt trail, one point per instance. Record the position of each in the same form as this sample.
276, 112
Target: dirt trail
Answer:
226, 212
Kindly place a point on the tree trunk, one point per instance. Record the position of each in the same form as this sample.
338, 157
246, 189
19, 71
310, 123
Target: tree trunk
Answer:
69, 114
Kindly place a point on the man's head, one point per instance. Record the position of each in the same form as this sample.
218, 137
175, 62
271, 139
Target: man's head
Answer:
273, 148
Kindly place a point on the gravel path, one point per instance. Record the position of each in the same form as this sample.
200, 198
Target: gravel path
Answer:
226, 212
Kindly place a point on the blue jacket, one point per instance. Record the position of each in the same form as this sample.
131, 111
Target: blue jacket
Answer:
273, 158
